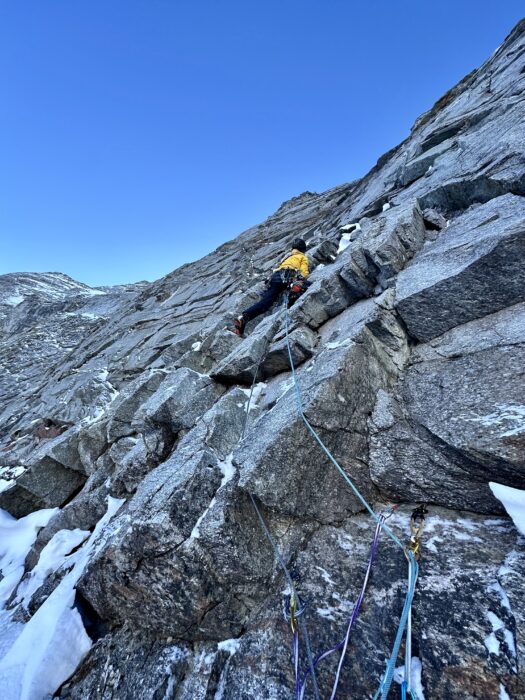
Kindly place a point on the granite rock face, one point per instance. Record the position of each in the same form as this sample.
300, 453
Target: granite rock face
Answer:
409, 350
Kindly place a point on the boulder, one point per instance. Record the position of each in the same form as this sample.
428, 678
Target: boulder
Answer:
474, 268
390, 240
174, 514
448, 433
128, 402
245, 359
45, 485
182, 397
63, 450
302, 346
92, 443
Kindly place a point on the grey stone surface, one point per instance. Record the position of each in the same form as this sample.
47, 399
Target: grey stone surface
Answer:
280, 465
457, 421
130, 399
182, 397
302, 345
475, 267
242, 363
45, 485
390, 240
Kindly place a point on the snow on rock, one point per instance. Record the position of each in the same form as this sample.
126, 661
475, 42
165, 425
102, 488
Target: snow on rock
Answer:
513, 501
48, 649
52, 558
229, 645
255, 394
8, 476
14, 300
228, 471
16, 539
416, 685
344, 242
509, 418
503, 695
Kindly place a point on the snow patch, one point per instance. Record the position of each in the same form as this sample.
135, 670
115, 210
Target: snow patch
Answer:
228, 471
338, 344
52, 558
416, 668
196, 346
229, 645
255, 394
503, 695
13, 300
16, 539
498, 588
344, 242
48, 649
492, 644
513, 501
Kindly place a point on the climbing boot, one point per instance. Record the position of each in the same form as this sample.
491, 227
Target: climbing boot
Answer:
239, 324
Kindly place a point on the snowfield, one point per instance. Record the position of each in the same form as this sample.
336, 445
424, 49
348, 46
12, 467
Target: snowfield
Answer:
37, 657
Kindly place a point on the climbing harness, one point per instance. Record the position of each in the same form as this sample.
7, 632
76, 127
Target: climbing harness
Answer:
405, 619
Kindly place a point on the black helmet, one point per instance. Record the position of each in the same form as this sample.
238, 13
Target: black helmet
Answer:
299, 245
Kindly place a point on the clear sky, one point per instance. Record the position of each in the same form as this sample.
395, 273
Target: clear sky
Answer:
136, 135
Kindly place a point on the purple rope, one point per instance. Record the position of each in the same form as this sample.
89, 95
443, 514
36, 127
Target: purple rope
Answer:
295, 647
355, 613
343, 644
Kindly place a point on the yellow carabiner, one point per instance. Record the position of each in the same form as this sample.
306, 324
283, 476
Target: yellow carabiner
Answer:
293, 608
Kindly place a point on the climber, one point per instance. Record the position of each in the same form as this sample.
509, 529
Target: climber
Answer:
291, 274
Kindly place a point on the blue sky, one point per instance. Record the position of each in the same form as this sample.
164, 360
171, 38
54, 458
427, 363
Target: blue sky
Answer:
137, 135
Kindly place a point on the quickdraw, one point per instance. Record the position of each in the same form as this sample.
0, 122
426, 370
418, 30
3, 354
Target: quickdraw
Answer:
417, 523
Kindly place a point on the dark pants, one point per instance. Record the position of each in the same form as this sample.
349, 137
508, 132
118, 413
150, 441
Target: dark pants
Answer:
270, 296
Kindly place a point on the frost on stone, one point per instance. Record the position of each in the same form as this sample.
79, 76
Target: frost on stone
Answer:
507, 419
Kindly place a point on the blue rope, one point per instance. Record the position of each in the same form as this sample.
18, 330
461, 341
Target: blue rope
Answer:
404, 690
385, 684
384, 687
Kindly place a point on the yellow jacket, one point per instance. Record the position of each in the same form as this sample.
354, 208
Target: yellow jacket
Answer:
296, 261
